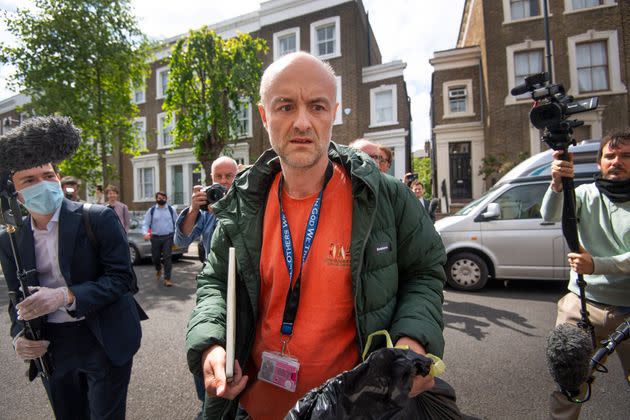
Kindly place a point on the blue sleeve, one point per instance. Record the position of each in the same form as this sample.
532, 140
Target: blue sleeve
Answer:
182, 240
146, 222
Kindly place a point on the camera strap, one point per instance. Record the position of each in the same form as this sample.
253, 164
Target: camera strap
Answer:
293, 295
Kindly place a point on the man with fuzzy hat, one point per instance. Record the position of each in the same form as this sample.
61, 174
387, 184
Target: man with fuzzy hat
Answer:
79, 277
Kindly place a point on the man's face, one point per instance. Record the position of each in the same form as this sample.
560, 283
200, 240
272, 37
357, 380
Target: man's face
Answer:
29, 177
112, 195
160, 197
298, 111
615, 163
223, 173
383, 164
418, 190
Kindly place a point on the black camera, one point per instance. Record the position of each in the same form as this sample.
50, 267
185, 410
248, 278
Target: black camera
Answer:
214, 193
552, 107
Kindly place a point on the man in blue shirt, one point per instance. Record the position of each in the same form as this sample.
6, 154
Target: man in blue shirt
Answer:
194, 222
159, 226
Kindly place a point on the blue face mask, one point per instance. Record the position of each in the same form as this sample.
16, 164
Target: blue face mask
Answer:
43, 198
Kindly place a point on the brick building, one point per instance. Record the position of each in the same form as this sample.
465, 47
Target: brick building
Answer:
373, 99
502, 41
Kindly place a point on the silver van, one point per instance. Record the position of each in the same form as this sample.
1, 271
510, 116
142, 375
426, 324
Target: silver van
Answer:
502, 235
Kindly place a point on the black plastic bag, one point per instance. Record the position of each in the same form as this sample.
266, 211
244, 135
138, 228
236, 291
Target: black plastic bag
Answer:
378, 389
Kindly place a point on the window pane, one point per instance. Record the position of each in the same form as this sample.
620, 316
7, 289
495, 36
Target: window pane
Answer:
458, 105
177, 184
592, 66
164, 81
243, 120
383, 106
527, 63
522, 202
326, 39
582, 4
287, 44
520, 9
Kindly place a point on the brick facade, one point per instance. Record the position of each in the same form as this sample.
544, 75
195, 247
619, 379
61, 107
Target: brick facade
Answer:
359, 52
487, 26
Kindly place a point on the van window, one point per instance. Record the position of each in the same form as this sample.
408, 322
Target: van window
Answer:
522, 202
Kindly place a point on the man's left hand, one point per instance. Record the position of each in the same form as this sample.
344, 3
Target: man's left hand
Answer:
581, 262
42, 301
420, 383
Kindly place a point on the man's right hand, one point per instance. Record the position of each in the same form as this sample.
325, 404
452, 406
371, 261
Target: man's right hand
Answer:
213, 364
559, 169
197, 200
30, 349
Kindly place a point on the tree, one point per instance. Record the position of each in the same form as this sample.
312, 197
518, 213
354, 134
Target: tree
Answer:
495, 166
209, 79
422, 167
80, 58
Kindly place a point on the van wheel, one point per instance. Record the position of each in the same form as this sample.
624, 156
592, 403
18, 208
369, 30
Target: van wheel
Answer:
466, 271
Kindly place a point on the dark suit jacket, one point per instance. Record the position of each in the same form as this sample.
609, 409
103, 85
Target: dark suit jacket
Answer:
100, 279
430, 207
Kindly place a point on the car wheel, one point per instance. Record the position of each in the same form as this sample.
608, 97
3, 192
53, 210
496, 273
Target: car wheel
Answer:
466, 271
134, 254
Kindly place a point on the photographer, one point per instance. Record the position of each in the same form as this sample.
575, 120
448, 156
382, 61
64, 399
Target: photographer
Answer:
198, 219
603, 211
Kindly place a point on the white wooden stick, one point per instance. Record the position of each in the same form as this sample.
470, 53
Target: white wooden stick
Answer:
231, 314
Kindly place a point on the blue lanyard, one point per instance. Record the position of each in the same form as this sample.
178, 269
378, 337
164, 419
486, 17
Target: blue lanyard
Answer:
293, 295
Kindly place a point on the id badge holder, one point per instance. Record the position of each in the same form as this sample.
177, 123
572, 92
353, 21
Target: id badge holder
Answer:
279, 370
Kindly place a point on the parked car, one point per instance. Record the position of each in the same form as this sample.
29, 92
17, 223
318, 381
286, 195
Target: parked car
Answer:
502, 235
139, 249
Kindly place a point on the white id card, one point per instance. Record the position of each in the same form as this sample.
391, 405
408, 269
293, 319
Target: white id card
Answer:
279, 370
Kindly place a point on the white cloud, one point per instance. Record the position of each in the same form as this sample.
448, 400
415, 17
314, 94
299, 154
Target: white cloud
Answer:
408, 30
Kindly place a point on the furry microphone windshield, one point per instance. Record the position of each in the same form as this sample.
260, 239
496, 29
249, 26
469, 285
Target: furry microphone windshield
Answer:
37, 141
569, 350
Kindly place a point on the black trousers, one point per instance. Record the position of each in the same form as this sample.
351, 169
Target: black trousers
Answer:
84, 383
161, 251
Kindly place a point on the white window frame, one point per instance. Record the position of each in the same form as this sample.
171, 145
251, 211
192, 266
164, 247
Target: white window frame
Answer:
159, 126
143, 135
339, 114
249, 132
185, 158
142, 162
510, 50
568, 6
373, 92
446, 87
315, 25
281, 34
615, 85
143, 88
159, 93
507, 13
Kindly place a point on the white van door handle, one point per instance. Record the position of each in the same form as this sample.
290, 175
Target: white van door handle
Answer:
547, 223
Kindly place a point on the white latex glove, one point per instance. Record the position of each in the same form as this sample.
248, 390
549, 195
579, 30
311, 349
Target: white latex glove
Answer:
43, 301
29, 349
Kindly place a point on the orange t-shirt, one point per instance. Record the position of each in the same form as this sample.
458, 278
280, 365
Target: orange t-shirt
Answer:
324, 332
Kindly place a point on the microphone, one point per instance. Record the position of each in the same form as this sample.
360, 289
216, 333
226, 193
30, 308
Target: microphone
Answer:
568, 351
608, 346
37, 141
520, 89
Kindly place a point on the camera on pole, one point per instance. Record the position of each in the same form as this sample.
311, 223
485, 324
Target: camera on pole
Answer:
551, 108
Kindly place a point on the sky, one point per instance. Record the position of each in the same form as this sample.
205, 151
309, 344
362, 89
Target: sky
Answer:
407, 30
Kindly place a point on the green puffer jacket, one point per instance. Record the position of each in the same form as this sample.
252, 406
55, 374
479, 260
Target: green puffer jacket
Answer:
399, 290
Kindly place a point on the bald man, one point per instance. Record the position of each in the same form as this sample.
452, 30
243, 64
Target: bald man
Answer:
305, 213
193, 222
